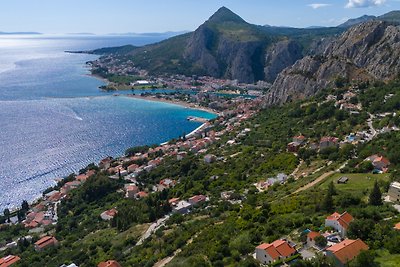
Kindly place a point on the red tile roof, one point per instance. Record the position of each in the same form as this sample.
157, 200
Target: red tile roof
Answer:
278, 248
397, 226
197, 199
312, 235
142, 194
347, 249
8, 260
283, 248
343, 219
110, 263
45, 242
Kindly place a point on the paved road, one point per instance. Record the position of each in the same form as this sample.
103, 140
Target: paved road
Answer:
153, 228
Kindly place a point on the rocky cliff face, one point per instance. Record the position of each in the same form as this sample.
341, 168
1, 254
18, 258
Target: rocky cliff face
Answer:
367, 51
279, 56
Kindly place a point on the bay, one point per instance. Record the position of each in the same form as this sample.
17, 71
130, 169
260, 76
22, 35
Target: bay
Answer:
54, 120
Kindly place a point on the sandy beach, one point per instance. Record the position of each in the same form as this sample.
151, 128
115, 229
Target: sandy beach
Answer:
176, 102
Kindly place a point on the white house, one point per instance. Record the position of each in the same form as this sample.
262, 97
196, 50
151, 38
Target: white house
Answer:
339, 222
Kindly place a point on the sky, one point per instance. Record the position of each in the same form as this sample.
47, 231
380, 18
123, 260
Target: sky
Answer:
123, 16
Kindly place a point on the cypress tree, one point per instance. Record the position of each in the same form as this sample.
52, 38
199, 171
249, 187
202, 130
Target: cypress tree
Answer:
375, 197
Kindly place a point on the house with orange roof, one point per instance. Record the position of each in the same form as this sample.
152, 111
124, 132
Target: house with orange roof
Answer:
173, 201
277, 250
108, 214
328, 141
311, 238
194, 200
397, 226
9, 260
345, 251
131, 190
70, 186
110, 263
379, 162
141, 194
339, 222
45, 242
131, 168
168, 183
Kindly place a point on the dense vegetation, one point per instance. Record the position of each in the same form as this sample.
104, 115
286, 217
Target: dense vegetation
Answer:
223, 233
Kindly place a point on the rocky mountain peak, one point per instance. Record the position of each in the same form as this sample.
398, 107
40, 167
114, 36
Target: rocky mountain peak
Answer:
225, 15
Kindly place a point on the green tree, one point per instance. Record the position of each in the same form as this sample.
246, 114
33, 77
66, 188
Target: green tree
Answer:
320, 241
327, 204
375, 197
25, 205
7, 214
366, 258
331, 189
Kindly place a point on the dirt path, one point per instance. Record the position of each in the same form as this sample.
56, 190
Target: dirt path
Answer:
319, 179
165, 261
316, 181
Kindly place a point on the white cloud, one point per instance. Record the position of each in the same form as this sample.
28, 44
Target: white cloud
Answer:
364, 3
318, 5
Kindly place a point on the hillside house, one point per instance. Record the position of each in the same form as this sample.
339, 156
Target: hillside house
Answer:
131, 190
311, 238
345, 251
394, 192
277, 250
293, 147
9, 260
194, 200
168, 183
108, 214
380, 163
339, 222
45, 242
328, 141
110, 263
182, 207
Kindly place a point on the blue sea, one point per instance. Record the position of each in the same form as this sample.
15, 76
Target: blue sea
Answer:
54, 120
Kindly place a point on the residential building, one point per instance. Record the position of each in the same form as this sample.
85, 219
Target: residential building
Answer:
339, 222
182, 207
9, 260
168, 183
293, 147
109, 214
379, 162
328, 141
45, 242
131, 190
194, 200
110, 263
394, 192
300, 139
173, 201
277, 250
141, 194
345, 251
311, 238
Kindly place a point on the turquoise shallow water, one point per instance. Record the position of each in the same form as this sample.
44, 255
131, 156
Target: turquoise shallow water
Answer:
54, 120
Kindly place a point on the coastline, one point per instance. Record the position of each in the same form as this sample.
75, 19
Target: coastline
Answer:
176, 102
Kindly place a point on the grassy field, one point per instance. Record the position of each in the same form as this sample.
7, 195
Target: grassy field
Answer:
388, 260
358, 182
